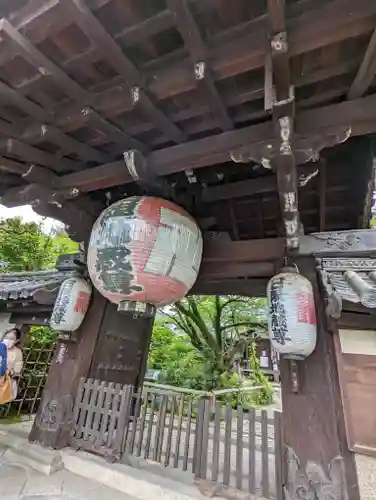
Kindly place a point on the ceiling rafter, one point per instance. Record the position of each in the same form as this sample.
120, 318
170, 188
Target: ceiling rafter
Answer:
44, 131
359, 114
45, 66
31, 154
83, 16
300, 40
191, 35
366, 71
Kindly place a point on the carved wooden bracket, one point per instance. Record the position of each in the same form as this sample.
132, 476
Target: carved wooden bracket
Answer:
305, 149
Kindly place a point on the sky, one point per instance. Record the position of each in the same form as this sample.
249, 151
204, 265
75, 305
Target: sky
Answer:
27, 214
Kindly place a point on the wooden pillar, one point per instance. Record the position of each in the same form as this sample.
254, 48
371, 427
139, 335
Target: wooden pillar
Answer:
317, 461
72, 361
122, 348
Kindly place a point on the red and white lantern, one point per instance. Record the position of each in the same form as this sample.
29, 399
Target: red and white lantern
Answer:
144, 252
292, 315
71, 305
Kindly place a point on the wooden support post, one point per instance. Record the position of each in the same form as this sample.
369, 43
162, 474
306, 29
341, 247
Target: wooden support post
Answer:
318, 463
54, 419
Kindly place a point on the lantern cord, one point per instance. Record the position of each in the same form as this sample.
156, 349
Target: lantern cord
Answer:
289, 265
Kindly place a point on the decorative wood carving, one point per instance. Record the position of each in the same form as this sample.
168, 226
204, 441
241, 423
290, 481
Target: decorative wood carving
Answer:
352, 279
312, 482
305, 148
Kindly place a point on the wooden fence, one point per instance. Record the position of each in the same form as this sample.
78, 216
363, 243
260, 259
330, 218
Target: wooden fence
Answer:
236, 449
101, 416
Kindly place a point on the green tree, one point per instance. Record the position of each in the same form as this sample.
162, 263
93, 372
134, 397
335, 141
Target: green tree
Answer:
175, 356
25, 247
219, 327
221, 330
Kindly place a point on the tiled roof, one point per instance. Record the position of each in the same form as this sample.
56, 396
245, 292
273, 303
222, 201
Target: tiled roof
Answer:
15, 286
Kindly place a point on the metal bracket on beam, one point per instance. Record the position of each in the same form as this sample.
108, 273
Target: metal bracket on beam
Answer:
138, 169
200, 70
279, 43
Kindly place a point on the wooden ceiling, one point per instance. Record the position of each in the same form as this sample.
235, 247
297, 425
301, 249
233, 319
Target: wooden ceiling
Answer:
189, 83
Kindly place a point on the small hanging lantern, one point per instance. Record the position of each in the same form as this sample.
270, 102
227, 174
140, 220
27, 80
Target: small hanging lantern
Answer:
292, 316
144, 253
71, 305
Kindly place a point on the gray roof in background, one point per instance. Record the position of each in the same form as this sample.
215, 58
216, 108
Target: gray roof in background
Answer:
16, 286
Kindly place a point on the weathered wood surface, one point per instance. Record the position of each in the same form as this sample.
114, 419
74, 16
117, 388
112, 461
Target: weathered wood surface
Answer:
315, 415
101, 416
85, 80
53, 422
121, 352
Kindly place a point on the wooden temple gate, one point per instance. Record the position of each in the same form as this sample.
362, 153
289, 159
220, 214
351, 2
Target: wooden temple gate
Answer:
256, 117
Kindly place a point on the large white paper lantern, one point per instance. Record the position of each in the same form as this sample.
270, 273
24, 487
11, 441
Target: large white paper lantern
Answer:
292, 315
144, 252
71, 305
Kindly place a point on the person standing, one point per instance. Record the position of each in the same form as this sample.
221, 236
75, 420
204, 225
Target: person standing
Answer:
14, 357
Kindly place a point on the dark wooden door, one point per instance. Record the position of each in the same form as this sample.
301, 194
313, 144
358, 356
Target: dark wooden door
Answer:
121, 352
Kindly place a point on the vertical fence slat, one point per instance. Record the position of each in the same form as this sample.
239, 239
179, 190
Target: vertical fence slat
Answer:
216, 441
91, 405
205, 439
251, 451
239, 449
99, 411
131, 439
106, 410
278, 456
227, 454
196, 463
178, 432
170, 431
159, 435
264, 453
142, 424
187, 436
150, 426
77, 405
83, 412
114, 414
123, 419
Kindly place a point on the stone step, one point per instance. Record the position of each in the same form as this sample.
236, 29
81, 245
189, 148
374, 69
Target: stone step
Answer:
19, 451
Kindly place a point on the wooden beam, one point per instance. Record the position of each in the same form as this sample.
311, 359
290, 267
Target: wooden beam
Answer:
283, 115
83, 16
45, 66
29, 107
70, 145
113, 133
42, 63
30, 173
211, 270
129, 36
34, 155
279, 49
366, 72
254, 287
360, 115
239, 189
45, 132
322, 194
191, 35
